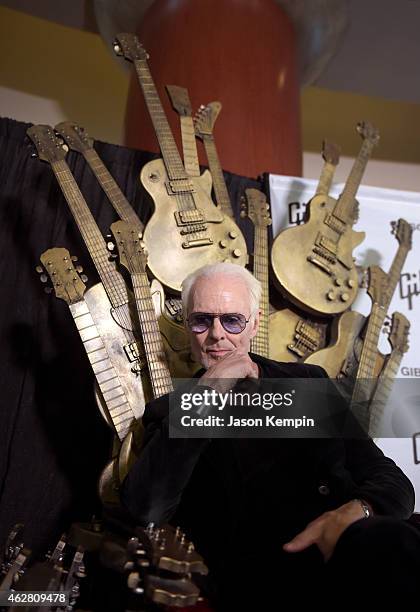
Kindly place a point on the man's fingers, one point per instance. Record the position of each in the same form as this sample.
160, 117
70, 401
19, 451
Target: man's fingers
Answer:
303, 539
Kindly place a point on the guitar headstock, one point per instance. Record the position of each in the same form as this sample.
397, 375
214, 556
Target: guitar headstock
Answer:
330, 152
67, 283
398, 335
131, 249
403, 233
256, 208
127, 45
378, 288
205, 118
74, 135
368, 132
180, 100
49, 146
168, 549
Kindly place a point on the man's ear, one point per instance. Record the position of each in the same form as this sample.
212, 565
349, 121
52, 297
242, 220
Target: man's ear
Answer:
255, 323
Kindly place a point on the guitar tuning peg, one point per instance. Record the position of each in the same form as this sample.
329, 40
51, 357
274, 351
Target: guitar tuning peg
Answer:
242, 214
48, 289
39, 269
34, 155
74, 258
43, 278
110, 246
65, 147
84, 278
79, 269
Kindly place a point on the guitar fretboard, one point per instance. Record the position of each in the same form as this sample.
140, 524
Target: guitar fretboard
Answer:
326, 179
115, 195
383, 391
259, 344
189, 146
155, 354
106, 376
220, 189
111, 279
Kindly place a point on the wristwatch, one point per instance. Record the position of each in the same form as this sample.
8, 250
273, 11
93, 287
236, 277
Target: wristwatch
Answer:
365, 508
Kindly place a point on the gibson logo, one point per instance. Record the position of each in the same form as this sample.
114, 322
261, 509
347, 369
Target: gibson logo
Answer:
409, 287
296, 213
406, 371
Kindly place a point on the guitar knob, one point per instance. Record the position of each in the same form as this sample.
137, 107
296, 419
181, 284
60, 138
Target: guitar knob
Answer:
237, 253
223, 244
331, 295
338, 282
233, 234
344, 297
39, 269
351, 283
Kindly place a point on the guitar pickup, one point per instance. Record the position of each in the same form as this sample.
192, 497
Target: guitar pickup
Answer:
335, 224
189, 217
190, 244
320, 264
132, 352
183, 185
327, 243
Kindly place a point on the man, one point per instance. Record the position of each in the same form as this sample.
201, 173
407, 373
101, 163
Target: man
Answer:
266, 514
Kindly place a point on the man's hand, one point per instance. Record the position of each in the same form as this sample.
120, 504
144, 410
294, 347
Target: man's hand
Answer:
224, 374
326, 529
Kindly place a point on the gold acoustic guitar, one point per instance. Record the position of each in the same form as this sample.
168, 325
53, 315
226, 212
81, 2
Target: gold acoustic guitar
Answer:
294, 336
341, 357
398, 339
168, 310
254, 206
186, 230
204, 121
313, 263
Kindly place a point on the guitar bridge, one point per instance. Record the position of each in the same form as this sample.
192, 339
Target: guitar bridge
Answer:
189, 217
307, 339
198, 242
182, 185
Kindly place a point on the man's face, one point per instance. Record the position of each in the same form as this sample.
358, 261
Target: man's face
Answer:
220, 294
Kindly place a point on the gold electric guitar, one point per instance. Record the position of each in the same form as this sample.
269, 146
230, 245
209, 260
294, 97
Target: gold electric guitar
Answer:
256, 208
313, 263
331, 156
204, 121
398, 339
180, 101
121, 401
192, 229
341, 357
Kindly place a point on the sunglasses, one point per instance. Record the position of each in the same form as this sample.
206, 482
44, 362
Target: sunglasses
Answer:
233, 323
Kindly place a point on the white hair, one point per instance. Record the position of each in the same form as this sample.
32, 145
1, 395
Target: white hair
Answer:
223, 269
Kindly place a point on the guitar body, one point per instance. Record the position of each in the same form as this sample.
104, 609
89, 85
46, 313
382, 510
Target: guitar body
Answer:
340, 359
313, 264
293, 338
217, 239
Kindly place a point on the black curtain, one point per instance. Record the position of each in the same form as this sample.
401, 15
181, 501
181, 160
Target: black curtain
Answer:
53, 441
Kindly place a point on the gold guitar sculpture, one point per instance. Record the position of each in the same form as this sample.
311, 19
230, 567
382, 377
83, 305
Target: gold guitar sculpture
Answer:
186, 221
180, 101
341, 357
122, 402
313, 263
204, 121
398, 339
256, 208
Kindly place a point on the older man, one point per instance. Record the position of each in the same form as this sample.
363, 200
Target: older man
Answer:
266, 514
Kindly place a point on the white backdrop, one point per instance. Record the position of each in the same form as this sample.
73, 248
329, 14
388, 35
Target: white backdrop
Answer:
378, 208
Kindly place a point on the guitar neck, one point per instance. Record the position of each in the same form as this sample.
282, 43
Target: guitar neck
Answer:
220, 189
370, 344
189, 146
260, 344
107, 377
170, 153
396, 269
155, 354
111, 279
115, 195
383, 390
326, 179
344, 208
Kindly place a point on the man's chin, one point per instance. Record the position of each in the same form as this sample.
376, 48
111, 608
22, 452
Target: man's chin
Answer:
212, 357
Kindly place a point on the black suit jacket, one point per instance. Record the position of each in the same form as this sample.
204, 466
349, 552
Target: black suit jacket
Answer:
223, 490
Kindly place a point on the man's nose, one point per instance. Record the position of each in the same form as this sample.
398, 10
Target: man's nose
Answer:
216, 329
